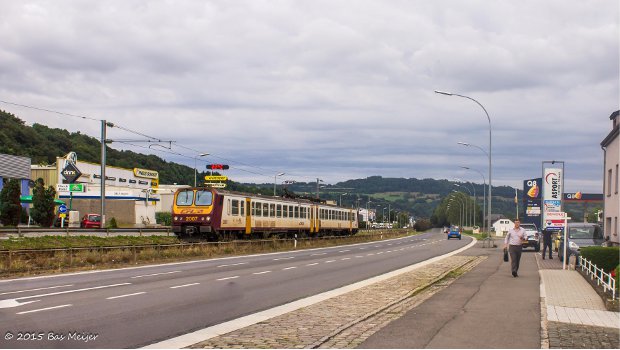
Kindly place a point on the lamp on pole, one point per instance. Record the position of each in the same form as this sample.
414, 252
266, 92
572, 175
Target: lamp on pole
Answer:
195, 169
492, 244
484, 195
342, 194
367, 214
275, 179
473, 218
464, 206
317, 187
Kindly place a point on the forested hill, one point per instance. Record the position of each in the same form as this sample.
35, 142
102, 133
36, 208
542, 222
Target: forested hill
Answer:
43, 144
418, 197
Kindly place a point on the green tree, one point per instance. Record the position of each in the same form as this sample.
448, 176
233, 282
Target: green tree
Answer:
43, 203
10, 208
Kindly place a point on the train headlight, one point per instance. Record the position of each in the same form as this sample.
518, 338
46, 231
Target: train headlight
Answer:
176, 218
208, 218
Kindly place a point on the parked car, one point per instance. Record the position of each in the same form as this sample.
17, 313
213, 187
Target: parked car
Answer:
454, 232
580, 234
533, 236
91, 221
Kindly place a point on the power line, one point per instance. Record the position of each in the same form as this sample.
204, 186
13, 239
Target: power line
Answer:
49, 110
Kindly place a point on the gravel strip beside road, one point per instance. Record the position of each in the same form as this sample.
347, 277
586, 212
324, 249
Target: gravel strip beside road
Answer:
347, 320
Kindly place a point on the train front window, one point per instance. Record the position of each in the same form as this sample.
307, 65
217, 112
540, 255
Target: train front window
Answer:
204, 197
185, 198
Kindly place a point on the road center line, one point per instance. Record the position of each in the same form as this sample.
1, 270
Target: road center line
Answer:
312, 264
359, 256
156, 274
73, 291
289, 268
345, 259
261, 273
125, 295
36, 289
225, 265
290, 257
47, 308
185, 285
329, 261
344, 251
318, 254
227, 278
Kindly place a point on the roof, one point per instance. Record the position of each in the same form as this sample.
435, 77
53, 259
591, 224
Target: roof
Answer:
614, 114
613, 134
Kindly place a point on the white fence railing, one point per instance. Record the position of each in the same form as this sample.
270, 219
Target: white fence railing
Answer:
601, 276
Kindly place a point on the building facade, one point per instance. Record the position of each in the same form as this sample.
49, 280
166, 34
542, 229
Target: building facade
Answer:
611, 154
14, 167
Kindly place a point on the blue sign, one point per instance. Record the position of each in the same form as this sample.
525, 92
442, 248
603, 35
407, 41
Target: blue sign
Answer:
62, 208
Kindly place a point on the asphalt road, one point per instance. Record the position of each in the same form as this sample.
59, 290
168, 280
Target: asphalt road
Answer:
134, 307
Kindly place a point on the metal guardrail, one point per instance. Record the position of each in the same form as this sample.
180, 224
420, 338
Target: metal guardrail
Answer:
600, 275
75, 231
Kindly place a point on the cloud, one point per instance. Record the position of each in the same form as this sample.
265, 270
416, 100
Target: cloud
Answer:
330, 89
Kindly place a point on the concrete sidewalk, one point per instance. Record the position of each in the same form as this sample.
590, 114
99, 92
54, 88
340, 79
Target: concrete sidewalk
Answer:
485, 308
575, 315
545, 307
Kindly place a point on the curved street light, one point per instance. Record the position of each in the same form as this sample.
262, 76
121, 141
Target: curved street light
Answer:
484, 195
195, 169
473, 216
490, 153
275, 179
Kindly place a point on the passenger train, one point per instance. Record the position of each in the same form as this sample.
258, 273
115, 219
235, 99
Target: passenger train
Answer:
224, 215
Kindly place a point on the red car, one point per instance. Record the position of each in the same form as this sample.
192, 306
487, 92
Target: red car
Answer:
91, 221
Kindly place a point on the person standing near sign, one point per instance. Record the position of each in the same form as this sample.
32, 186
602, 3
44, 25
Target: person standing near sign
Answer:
547, 242
513, 242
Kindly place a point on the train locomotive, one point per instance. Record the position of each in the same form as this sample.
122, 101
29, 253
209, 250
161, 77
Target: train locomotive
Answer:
223, 215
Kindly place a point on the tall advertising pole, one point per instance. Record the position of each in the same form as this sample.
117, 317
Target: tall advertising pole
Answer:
553, 195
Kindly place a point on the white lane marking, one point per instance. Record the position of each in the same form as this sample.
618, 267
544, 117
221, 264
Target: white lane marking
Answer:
227, 278
362, 248
156, 274
389, 251
125, 295
289, 257
329, 261
32, 290
317, 254
72, 291
248, 320
261, 273
379, 253
359, 256
390, 244
312, 264
289, 268
226, 265
345, 259
370, 254
377, 246
47, 308
184, 285
344, 251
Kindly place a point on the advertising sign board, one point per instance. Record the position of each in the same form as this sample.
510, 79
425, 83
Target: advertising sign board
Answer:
552, 197
216, 178
215, 184
531, 201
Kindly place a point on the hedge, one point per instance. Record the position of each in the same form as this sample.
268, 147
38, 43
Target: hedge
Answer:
606, 258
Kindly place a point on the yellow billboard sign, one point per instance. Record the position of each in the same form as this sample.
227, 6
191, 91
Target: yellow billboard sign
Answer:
149, 174
216, 178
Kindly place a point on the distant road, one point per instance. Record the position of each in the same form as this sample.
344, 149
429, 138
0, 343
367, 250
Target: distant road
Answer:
134, 307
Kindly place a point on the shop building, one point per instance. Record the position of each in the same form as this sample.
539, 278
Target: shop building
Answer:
14, 167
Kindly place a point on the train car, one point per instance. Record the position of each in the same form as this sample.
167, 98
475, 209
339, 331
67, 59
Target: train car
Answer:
219, 214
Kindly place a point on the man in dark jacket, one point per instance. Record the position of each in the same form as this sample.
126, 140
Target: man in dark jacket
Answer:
547, 243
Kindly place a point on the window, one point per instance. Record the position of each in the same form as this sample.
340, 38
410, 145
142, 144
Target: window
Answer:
285, 211
290, 211
616, 179
609, 182
185, 198
255, 210
204, 198
279, 210
242, 208
296, 212
304, 212
272, 210
265, 209
235, 207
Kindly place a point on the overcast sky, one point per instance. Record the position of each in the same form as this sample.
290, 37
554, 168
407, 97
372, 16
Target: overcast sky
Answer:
330, 89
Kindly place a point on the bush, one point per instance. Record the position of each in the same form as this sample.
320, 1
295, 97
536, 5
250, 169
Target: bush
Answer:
163, 218
606, 258
112, 223
422, 225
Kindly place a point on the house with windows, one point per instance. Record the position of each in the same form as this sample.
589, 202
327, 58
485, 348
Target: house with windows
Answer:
611, 156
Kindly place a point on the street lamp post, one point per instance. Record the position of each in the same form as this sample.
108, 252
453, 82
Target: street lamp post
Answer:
492, 243
367, 214
275, 180
342, 194
464, 204
473, 217
195, 169
484, 195
317, 187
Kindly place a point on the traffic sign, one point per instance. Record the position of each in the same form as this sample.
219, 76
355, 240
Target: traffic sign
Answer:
70, 188
215, 184
62, 208
218, 166
216, 178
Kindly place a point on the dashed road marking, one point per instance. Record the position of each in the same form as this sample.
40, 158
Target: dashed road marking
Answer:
36, 289
226, 265
261, 273
289, 268
125, 295
345, 259
359, 256
47, 308
318, 254
156, 274
227, 278
312, 264
289, 257
184, 285
344, 251
329, 261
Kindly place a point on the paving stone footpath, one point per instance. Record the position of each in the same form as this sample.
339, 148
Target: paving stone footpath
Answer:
347, 320
575, 336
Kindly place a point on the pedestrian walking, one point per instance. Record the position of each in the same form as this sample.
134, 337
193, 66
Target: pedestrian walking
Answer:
513, 242
547, 243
